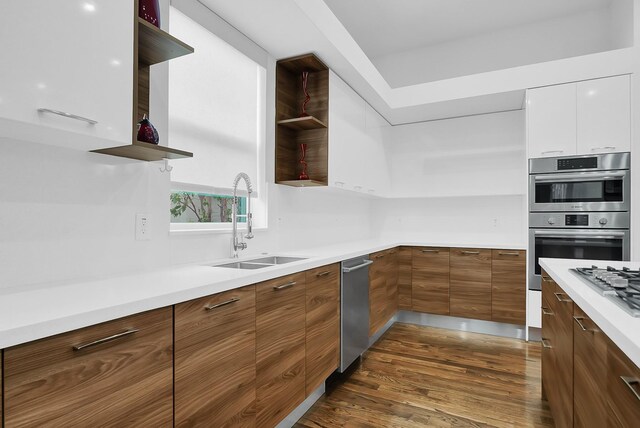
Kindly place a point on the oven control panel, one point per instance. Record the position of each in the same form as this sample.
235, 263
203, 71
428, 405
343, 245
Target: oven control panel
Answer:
577, 163
596, 220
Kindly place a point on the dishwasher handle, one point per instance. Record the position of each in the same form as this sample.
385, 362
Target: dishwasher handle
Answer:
351, 269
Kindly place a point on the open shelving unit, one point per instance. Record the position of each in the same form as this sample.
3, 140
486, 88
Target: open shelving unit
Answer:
293, 129
151, 46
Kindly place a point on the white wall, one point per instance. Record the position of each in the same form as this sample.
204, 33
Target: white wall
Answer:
475, 155
590, 32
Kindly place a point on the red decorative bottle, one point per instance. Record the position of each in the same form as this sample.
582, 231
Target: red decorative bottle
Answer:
303, 151
149, 10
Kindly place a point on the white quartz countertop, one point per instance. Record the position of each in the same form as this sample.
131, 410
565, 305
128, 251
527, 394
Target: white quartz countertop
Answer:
622, 328
36, 311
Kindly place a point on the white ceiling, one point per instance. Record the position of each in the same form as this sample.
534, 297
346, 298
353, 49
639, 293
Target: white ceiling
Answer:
286, 28
383, 27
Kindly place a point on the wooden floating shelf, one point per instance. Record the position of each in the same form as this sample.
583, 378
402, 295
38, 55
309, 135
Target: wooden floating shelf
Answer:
156, 46
302, 123
302, 183
145, 152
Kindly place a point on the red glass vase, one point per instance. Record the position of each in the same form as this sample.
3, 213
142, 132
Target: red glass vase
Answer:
149, 10
303, 152
147, 132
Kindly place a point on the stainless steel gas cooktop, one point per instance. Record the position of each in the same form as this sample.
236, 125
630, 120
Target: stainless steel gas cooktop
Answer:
622, 286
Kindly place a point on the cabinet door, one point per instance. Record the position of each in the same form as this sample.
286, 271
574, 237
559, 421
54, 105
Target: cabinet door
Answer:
623, 389
589, 372
215, 360
391, 273
562, 405
404, 278
551, 121
377, 291
119, 373
346, 136
82, 67
470, 278
430, 280
280, 348
604, 115
322, 324
509, 286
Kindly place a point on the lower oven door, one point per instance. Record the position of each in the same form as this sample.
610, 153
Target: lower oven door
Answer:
574, 244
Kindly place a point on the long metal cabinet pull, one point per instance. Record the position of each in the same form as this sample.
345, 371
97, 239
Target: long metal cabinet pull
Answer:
560, 299
546, 311
430, 251
69, 115
579, 321
104, 340
283, 286
351, 269
548, 152
630, 381
509, 253
325, 273
470, 252
225, 303
546, 279
546, 344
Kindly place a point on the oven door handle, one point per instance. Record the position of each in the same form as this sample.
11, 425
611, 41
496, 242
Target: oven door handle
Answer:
582, 176
597, 234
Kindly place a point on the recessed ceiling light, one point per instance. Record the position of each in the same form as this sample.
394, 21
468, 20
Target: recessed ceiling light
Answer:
89, 7
115, 62
41, 85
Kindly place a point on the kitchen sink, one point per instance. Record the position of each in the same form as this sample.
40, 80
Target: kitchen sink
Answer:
260, 263
276, 260
243, 265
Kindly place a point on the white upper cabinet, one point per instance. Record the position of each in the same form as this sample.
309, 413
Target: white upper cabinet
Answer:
71, 57
604, 115
357, 160
592, 116
551, 121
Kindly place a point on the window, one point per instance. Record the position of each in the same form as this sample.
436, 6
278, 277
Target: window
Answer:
217, 100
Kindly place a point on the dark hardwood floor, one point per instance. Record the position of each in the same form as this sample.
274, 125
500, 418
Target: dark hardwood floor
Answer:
421, 376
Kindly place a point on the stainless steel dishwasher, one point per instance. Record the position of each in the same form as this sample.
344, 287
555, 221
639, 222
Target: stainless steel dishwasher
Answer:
354, 310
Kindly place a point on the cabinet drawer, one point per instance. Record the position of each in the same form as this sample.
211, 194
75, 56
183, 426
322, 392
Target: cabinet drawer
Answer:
623, 388
322, 324
118, 373
215, 359
280, 347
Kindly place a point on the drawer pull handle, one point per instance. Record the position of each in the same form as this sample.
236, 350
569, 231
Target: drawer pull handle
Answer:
548, 152
225, 303
546, 311
560, 299
593, 149
546, 344
283, 286
379, 256
631, 381
469, 253
321, 274
104, 340
546, 279
69, 115
579, 321
509, 253
430, 251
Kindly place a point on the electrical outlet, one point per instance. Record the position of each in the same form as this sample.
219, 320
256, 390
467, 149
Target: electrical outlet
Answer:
142, 227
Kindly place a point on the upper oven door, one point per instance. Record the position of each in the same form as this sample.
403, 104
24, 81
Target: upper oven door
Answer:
580, 191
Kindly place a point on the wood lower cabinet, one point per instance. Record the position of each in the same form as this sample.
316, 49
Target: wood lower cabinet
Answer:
118, 373
430, 280
557, 355
470, 283
509, 286
322, 324
404, 277
623, 389
589, 372
215, 360
280, 347
377, 291
391, 274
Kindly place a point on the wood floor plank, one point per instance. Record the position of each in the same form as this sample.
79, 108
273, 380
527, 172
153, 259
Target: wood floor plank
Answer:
420, 376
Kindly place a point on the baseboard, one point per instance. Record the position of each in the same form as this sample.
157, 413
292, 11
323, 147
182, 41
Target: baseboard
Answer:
303, 408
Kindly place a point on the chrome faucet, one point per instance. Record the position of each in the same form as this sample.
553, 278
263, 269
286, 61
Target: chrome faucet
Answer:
237, 241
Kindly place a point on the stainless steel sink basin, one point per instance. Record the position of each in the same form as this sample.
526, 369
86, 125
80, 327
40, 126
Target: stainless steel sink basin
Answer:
243, 265
276, 260
260, 263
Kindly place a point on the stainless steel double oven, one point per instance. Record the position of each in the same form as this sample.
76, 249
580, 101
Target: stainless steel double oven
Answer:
578, 209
